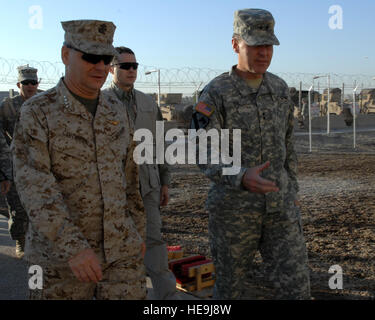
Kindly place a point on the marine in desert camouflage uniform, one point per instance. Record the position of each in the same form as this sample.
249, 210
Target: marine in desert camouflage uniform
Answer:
257, 208
5, 166
74, 171
9, 112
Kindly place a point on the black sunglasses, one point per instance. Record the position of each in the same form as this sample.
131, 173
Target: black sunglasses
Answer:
94, 58
127, 65
27, 82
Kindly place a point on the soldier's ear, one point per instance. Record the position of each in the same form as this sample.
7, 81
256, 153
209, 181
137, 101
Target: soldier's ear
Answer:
18, 85
65, 54
235, 45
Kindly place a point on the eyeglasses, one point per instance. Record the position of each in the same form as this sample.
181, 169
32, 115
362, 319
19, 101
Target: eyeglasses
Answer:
127, 65
27, 82
94, 58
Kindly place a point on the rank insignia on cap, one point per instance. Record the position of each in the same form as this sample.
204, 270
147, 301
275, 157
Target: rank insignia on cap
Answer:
205, 109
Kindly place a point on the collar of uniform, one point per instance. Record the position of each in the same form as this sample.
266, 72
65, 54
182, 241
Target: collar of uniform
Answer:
267, 87
105, 106
241, 84
70, 104
18, 99
121, 94
73, 106
244, 89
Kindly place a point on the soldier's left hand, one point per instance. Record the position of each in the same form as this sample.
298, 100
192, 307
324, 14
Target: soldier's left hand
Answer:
164, 196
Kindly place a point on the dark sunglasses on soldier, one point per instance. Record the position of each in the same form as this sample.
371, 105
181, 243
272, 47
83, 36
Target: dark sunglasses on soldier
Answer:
94, 58
27, 82
127, 65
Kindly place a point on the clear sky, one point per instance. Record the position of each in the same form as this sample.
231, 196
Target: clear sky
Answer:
197, 33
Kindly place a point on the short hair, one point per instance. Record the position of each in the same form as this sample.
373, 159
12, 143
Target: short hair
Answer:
121, 50
236, 36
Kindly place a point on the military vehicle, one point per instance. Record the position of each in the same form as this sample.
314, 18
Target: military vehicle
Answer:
174, 111
319, 105
367, 101
315, 98
334, 102
294, 96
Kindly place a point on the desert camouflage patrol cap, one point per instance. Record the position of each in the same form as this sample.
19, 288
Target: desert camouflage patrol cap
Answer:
27, 73
255, 26
90, 36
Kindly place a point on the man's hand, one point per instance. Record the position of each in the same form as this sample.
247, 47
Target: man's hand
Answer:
255, 183
164, 196
5, 186
86, 267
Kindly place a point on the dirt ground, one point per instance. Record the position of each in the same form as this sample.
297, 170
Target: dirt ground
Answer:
337, 188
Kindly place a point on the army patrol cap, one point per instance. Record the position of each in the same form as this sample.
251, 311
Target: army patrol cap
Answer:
90, 36
255, 26
27, 73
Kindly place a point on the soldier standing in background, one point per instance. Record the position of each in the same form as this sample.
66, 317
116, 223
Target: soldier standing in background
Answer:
72, 153
5, 166
9, 111
304, 112
154, 179
258, 207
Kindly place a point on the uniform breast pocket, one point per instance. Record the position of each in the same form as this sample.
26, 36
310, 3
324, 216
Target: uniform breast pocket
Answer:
118, 142
69, 158
282, 115
241, 116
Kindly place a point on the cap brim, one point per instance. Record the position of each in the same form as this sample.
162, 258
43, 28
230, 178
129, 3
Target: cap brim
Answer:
20, 79
95, 48
269, 40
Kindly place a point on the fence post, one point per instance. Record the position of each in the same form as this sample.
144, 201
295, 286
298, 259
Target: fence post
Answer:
310, 139
354, 117
328, 101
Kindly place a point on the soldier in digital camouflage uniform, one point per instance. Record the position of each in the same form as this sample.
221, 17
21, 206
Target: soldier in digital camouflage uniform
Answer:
5, 166
9, 111
304, 113
77, 180
257, 208
154, 179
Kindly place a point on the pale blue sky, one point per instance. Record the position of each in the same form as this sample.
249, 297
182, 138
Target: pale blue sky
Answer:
181, 33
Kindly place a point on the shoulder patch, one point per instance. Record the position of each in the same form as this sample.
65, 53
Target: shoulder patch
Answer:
204, 109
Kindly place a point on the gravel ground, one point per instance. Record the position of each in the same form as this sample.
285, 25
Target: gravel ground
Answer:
338, 212
337, 204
